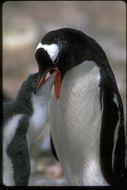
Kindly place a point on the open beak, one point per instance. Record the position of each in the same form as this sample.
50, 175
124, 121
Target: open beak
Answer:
42, 78
45, 69
57, 83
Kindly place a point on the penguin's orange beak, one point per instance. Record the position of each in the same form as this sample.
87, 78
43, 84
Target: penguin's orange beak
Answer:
57, 83
46, 75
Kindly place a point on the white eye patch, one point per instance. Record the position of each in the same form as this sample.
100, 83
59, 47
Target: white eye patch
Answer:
52, 50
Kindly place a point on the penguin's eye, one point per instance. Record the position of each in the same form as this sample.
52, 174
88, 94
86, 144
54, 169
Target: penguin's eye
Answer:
56, 60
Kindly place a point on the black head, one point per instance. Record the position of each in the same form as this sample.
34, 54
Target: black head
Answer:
66, 48
22, 103
26, 89
29, 84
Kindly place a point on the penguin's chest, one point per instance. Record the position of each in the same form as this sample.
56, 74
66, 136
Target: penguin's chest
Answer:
77, 123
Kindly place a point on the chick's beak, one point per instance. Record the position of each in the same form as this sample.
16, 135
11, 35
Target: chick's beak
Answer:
41, 79
57, 82
45, 66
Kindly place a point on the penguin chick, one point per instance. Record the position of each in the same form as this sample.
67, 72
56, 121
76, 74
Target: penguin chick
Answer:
23, 120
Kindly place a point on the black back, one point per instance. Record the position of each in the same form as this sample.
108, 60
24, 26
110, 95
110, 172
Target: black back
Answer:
74, 48
112, 145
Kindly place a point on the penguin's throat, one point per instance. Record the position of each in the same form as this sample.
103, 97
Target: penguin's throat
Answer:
57, 82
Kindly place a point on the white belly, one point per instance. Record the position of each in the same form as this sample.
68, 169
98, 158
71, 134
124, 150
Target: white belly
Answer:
8, 133
76, 123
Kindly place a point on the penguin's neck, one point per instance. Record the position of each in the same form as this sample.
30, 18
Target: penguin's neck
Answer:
81, 113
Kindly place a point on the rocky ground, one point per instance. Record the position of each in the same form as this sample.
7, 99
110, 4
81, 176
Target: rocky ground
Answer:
25, 23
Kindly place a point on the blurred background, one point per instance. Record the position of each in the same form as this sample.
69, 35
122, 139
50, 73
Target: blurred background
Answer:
24, 25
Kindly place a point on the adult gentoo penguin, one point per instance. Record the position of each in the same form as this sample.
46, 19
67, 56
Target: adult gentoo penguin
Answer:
23, 120
88, 132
